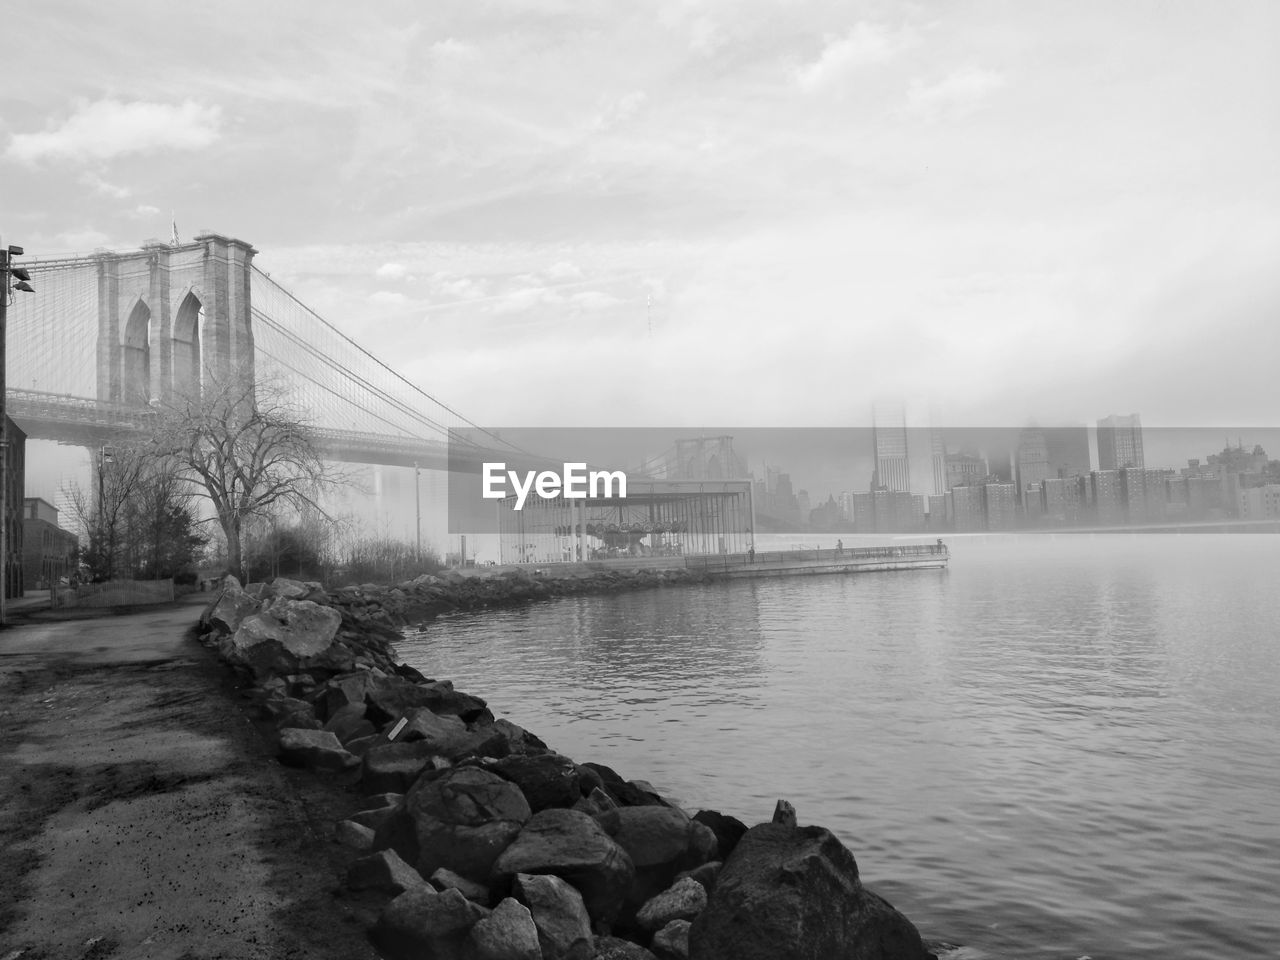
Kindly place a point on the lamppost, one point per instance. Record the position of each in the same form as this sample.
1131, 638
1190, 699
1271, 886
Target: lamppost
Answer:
7, 271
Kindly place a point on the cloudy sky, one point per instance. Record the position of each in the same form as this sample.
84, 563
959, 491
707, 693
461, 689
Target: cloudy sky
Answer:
700, 211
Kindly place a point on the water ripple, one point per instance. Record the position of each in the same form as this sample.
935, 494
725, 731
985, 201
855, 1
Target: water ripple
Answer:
1059, 748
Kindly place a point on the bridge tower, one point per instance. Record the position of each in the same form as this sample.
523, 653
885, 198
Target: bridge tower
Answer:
172, 317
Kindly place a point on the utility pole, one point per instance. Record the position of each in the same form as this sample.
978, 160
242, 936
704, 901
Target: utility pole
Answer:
7, 253
417, 507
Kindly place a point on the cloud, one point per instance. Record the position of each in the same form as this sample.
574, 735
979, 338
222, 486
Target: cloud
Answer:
594, 300
563, 270
391, 271
105, 129
144, 210
387, 297
620, 110
100, 186
957, 94
86, 238
452, 48
864, 45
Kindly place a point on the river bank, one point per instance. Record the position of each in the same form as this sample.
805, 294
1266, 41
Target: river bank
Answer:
485, 842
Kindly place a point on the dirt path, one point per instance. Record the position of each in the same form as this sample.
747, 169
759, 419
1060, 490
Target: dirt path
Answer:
141, 814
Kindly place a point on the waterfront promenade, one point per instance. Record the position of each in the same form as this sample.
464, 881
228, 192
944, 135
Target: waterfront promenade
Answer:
140, 813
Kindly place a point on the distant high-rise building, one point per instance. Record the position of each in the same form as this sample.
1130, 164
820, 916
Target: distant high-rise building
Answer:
1032, 463
1001, 503
965, 468
967, 510
1120, 442
1068, 451
1105, 494
938, 461
889, 435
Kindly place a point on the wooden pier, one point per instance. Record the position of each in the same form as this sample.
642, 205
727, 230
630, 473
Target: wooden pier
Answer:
793, 563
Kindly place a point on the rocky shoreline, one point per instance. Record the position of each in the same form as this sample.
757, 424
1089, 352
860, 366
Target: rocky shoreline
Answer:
488, 845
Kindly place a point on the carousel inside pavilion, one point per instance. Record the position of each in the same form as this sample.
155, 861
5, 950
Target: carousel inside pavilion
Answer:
657, 518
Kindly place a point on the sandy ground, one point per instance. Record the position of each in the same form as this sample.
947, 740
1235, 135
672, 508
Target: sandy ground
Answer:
141, 812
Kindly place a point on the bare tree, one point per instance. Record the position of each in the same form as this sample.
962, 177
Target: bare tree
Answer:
103, 510
247, 449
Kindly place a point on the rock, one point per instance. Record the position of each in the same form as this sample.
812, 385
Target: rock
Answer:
344, 691
292, 712
661, 842
683, 900
390, 698
672, 941
348, 723
624, 794
596, 803
461, 818
448, 736
228, 609
380, 800
373, 819
564, 928
315, 749
784, 813
354, 835
518, 739
705, 875
446, 879
615, 948
384, 870
572, 846
289, 589
394, 767
546, 780
795, 892
506, 934
423, 923
278, 638
728, 830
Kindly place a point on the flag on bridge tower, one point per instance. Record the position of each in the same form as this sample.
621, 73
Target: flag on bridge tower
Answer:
174, 241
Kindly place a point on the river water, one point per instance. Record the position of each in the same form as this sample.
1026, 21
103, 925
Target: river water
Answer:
1061, 747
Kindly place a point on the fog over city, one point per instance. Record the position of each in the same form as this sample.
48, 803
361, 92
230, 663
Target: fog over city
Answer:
697, 213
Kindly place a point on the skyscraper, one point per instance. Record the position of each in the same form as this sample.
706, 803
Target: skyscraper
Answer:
1120, 442
889, 435
1032, 461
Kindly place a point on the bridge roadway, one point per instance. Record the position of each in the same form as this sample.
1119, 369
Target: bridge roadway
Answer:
82, 421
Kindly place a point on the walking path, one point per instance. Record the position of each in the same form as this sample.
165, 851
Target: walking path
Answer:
141, 813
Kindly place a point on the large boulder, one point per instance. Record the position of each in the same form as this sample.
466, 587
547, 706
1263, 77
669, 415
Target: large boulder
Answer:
460, 818
728, 830
284, 636
423, 923
794, 892
232, 604
626, 793
315, 749
684, 900
564, 928
394, 767
383, 870
572, 846
662, 842
446, 735
506, 934
393, 697
546, 780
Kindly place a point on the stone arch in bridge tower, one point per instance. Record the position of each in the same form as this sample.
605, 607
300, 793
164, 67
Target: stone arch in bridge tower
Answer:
136, 355
188, 324
198, 299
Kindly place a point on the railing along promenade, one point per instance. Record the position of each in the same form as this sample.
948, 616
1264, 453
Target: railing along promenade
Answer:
779, 562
